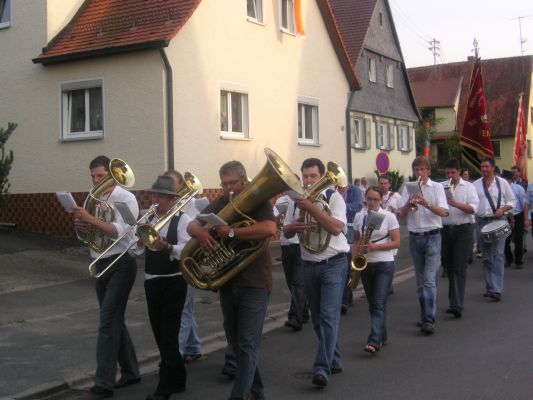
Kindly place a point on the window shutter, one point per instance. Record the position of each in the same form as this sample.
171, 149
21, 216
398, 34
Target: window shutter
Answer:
368, 134
400, 138
409, 139
378, 144
390, 129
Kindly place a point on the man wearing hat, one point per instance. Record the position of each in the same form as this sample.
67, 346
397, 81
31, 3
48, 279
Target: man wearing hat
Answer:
166, 289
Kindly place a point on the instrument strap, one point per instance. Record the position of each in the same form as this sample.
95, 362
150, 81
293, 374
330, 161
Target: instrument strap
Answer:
489, 197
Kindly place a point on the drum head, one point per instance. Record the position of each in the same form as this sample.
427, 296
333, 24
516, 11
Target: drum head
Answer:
493, 226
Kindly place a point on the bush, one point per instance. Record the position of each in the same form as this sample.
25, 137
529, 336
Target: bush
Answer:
5, 162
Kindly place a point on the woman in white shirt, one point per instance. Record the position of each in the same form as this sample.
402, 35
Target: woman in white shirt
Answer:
377, 277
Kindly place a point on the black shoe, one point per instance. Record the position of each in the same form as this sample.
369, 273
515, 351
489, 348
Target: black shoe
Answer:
495, 296
320, 380
294, 324
344, 309
427, 329
519, 265
123, 382
455, 311
335, 370
101, 391
229, 370
158, 396
190, 358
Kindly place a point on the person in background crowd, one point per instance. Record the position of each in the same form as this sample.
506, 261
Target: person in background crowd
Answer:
364, 184
457, 234
518, 223
515, 177
424, 225
390, 200
465, 175
495, 199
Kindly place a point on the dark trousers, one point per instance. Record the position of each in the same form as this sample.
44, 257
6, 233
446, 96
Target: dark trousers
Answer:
114, 343
517, 237
165, 298
294, 276
456, 247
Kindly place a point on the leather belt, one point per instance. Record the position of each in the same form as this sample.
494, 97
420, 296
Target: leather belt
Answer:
328, 260
427, 233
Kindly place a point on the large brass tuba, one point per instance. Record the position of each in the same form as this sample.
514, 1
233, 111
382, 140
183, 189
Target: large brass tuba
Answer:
119, 173
211, 270
315, 239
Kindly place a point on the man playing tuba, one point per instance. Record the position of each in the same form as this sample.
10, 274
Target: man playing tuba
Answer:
113, 289
325, 271
244, 298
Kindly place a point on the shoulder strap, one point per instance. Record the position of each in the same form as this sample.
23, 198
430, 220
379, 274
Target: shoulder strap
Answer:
172, 234
329, 193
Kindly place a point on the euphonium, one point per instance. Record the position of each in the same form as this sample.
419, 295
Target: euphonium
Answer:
334, 176
211, 270
119, 173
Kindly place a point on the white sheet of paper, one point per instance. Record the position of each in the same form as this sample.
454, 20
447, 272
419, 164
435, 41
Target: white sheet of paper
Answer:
212, 219
67, 201
412, 188
125, 212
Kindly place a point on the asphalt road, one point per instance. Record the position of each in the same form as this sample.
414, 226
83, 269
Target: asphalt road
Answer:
48, 326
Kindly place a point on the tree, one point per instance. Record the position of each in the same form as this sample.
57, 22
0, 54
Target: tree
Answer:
5, 162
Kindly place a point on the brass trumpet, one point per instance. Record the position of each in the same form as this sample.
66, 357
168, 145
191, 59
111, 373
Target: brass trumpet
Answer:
412, 205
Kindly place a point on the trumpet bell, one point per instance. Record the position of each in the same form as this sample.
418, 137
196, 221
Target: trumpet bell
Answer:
121, 172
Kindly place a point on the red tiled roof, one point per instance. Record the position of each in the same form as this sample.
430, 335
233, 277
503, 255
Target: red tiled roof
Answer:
436, 93
503, 78
108, 26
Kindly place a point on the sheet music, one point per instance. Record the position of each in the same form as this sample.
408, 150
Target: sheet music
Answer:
375, 219
125, 212
212, 219
413, 188
67, 201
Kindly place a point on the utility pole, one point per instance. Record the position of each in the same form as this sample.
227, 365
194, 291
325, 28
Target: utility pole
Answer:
523, 41
435, 48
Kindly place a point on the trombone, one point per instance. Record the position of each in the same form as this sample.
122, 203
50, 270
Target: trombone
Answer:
147, 233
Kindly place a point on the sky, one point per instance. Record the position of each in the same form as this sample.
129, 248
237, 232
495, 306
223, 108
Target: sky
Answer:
455, 24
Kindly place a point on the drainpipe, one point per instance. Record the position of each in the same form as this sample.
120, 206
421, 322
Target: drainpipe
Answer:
348, 136
170, 108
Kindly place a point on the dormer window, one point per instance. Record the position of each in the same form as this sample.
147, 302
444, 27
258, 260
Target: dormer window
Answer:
372, 69
389, 70
381, 19
255, 10
5, 13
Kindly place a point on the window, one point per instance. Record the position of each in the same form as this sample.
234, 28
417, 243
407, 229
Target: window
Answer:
82, 110
255, 10
287, 15
307, 122
5, 13
372, 69
528, 151
234, 114
496, 147
390, 75
404, 138
381, 19
384, 135
360, 133
531, 114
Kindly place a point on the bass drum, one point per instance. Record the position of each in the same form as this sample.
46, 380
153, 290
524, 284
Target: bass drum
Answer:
495, 231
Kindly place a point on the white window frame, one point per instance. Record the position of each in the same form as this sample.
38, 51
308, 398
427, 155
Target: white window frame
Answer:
372, 75
384, 134
405, 144
389, 71
244, 91
67, 87
288, 7
357, 130
258, 6
6, 15
306, 103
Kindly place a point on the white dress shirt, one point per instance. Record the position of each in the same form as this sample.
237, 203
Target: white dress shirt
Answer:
391, 199
484, 209
338, 244
283, 241
423, 219
380, 235
464, 192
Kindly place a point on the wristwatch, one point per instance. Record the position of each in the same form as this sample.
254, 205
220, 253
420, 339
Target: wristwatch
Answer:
231, 233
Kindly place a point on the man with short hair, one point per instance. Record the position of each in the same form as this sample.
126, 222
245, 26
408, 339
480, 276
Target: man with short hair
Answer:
424, 224
390, 200
495, 199
457, 234
244, 298
515, 171
112, 288
518, 222
324, 272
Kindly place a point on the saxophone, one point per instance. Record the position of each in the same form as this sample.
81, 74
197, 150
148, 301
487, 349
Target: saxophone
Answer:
359, 261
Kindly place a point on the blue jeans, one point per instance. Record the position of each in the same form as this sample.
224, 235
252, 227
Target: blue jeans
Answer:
377, 279
324, 284
493, 261
294, 276
425, 251
114, 343
189, 340
244, 310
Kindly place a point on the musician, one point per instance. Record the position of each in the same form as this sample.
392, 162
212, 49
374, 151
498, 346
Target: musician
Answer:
457, 234
244, 298
390, 200
424, 225
112, 289
294, 274
515, 171
325, 272
377, 276
166, 289
189, 341
495, 199
517, 236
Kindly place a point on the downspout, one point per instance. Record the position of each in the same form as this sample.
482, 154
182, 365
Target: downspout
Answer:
170, 108
349, 135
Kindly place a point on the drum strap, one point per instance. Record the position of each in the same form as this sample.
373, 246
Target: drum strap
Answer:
489, 197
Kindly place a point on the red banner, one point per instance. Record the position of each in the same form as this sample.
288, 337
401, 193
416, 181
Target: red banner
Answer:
475, 136
520, 147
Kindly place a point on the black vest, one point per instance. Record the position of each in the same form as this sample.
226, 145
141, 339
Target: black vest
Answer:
158, 262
